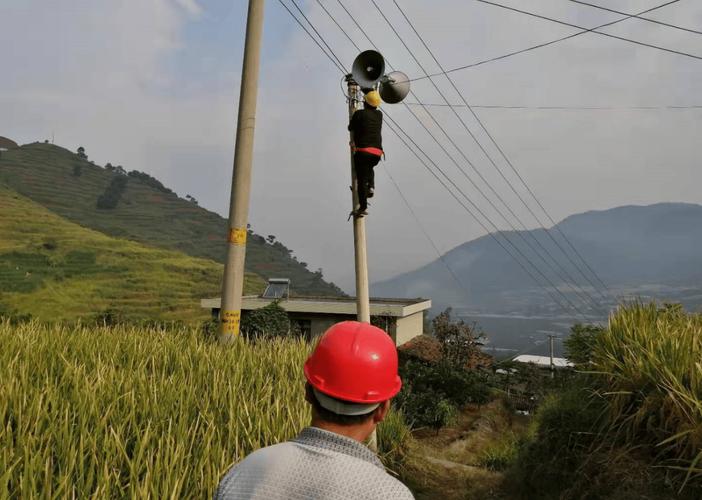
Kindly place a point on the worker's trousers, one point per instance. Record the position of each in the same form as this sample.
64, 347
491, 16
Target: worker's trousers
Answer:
365, 176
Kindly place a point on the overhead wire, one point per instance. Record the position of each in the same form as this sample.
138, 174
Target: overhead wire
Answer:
454, 276
592, 30
334, 61
545, 44
458, 166
395, 184
583, 295
331, 51
490, 233
397, 187
548, 108
392, 125
508, 161
641, 18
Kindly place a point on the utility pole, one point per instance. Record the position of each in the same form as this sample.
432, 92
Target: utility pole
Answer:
233, 283
359, 223
359, 238
550, 344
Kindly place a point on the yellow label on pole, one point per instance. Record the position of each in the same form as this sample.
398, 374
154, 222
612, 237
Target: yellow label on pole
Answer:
230, 322
237, 235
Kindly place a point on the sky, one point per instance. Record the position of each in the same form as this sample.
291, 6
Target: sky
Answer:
153, 85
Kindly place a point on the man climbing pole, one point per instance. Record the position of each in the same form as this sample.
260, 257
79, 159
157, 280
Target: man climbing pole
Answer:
367, 145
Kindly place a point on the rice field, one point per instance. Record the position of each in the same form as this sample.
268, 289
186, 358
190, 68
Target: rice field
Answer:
651, 359
122, 412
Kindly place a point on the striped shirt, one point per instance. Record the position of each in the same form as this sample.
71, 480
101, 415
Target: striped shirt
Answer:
316, 465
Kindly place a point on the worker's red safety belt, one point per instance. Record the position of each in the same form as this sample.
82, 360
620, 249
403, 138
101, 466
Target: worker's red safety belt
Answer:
370, 150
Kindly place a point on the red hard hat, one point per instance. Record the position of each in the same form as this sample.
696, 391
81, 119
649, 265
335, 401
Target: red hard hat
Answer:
354, 362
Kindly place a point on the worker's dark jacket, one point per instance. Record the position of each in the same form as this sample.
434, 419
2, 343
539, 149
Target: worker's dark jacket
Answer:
366, 125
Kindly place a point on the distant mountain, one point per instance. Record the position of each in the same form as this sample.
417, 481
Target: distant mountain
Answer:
135, 206
56, 270
649, 251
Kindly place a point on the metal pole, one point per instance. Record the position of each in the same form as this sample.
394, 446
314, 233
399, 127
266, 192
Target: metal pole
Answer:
233, 282
359, 225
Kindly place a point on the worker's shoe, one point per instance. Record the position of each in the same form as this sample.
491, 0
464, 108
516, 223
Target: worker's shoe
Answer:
361, 212
371, 192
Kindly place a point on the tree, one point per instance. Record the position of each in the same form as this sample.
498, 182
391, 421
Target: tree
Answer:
460, 342
581, 342
191, 199
113, 192
270, 238
81, 153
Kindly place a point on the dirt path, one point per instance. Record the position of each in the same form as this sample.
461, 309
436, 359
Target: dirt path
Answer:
445, 464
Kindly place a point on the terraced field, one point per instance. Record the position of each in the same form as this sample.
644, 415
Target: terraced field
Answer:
56, 270
145, 212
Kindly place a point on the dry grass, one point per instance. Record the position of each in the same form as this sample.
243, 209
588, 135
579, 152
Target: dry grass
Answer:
134, 413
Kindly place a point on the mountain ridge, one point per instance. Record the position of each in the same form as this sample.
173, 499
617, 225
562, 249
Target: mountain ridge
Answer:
633, 249
137, 207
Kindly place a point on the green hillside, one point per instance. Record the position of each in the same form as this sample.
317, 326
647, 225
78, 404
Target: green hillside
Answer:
139, 208
57, 270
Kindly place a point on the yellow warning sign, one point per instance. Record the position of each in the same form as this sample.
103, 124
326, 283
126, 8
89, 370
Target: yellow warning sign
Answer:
237, 236
230, 322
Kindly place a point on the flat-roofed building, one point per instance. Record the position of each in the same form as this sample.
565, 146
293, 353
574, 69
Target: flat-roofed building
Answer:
402, 319
543, 361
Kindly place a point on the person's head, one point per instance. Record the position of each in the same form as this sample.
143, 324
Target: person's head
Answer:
351, 378
372, 99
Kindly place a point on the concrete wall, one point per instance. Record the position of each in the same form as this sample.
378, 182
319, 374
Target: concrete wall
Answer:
400, 330
409, 327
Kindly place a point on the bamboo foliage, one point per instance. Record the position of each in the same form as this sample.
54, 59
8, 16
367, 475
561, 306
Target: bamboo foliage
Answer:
651, 359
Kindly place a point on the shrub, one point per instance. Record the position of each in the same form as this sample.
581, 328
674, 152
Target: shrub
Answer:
432, 393
270, 321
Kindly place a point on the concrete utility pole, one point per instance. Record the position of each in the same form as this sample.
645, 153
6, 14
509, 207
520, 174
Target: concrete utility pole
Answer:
359, 224
550, 344
233, 283
359, 239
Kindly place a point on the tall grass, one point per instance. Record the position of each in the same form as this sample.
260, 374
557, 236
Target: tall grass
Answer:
651, 358
132, 412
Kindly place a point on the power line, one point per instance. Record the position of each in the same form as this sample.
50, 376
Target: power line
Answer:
341, 64
558, 108
511, 165
574, 284
475, 217
593, 30
492, 235
546, 44
518, 233
426, 234
647, 19
397, 187
334, 62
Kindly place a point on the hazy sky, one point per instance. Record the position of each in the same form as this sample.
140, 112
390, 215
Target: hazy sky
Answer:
153, 85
